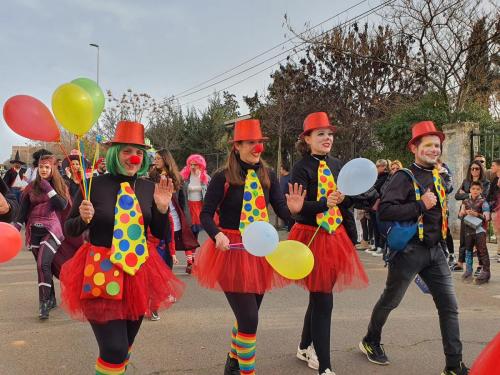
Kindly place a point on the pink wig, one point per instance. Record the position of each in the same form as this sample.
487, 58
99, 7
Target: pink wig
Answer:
195, 159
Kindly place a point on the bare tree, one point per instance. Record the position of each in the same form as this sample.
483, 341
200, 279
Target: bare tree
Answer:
440, 31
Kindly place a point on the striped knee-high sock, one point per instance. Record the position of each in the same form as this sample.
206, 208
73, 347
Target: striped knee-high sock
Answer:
104, 368
245, 345
128, 357
234, 353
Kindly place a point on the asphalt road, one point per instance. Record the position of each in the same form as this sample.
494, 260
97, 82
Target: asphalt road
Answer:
193, 336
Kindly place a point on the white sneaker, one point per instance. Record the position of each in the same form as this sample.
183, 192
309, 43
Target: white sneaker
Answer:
154, 316
308, 355
378, 253
327, 372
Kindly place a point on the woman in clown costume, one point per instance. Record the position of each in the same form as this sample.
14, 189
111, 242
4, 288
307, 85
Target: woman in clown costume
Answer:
241, 192
323, 217
114, 278
196, 182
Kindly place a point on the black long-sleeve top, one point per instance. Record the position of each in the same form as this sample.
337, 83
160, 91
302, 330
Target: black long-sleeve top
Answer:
465, 187
305, 173
103, 197
11, 201
398, 202
493, 194
230, 202
57, 201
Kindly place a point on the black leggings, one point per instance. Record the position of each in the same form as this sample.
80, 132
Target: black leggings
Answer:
44, 247
114, 338
245, 307
367, 227
317, 324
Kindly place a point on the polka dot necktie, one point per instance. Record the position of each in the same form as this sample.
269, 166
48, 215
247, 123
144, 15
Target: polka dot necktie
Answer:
332, 218
129, 248
438, 184
254, 203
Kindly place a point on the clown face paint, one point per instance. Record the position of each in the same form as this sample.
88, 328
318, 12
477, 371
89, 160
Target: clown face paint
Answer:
250, 151
428, 151
195, 169
320, 141
131, 159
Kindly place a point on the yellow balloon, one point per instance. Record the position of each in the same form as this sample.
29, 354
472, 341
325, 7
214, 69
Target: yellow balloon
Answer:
292, 259
73, 108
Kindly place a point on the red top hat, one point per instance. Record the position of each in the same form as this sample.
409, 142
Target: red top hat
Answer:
317, 120
248, 130
423, 128
129, 132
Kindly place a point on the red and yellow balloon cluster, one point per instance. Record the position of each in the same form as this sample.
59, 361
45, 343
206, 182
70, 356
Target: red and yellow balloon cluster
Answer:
77, 105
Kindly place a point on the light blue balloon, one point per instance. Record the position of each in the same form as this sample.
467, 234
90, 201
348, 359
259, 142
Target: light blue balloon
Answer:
260, 238
357, 177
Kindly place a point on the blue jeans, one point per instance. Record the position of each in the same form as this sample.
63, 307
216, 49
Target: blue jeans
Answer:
432, 266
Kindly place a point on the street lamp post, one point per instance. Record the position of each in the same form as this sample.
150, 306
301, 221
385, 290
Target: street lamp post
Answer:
96, 46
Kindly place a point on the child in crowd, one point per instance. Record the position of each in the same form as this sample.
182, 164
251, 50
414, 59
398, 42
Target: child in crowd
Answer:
476, 206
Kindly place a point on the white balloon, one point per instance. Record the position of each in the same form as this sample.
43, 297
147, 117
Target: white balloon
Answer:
260, 238
357, 177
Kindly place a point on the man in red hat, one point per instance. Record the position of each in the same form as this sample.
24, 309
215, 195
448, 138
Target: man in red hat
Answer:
424, 204
100, 167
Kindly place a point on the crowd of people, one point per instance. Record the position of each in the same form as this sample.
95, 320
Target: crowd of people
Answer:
113, 246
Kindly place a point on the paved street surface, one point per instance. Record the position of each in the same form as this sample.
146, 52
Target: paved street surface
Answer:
193, 336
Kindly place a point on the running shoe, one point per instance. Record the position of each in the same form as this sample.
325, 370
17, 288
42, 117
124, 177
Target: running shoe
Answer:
308, 355
460, 370
374, 352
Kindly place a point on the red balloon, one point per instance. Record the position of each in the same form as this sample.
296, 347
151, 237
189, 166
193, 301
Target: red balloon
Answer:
30, 118
11, 241
488, 360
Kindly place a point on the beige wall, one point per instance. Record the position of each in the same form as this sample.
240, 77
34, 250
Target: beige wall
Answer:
456, 154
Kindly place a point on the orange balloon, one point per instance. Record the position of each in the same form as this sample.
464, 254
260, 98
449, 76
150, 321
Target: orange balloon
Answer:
11, 242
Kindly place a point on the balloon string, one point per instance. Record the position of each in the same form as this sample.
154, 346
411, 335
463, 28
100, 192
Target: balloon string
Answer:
84, 166
81, 168
69, 162
314, 235
96, 155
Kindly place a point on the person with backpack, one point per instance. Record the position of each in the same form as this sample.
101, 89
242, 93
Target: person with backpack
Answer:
241, 192
418, 196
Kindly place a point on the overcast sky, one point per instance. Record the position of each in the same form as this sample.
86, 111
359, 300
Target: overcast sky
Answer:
157, 47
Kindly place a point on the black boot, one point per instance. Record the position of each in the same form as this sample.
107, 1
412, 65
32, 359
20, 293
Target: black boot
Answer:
52, 299
52, 302
232, 366
44, 310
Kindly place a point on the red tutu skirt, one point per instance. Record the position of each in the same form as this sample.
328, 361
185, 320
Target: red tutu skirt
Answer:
195, 210
154, 287
336, 265
234, 270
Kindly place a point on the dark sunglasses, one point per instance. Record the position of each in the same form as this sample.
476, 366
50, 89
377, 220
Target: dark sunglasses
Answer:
475, 169
481, 161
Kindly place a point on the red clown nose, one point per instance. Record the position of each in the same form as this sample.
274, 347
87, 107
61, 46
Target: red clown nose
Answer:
259, 147
134, 159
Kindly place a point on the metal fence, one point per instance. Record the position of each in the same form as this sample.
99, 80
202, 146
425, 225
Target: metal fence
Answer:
486, 143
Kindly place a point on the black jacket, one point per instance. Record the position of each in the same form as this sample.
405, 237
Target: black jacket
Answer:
398, 203
11, 200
